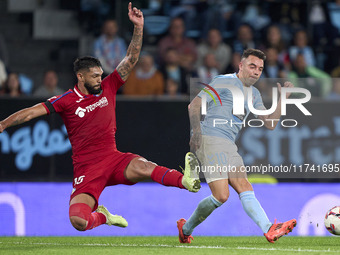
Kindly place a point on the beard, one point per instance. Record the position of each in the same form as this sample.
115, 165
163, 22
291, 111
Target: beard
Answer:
92, 90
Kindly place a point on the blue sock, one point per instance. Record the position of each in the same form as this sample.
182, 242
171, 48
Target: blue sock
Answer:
203, 210
254, 210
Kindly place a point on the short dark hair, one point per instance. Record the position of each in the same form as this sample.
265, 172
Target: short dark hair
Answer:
85, 63
253, 52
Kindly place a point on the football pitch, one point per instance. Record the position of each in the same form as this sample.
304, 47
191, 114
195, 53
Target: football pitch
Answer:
167, 245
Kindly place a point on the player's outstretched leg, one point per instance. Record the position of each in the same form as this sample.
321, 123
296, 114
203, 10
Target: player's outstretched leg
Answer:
278, 230
115, 220
170, 177
255, 211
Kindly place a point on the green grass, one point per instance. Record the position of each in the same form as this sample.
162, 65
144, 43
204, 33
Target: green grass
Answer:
167, 245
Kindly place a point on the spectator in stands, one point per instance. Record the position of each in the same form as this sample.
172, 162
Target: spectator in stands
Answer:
216, 46
171, 88
335, 93
92, 13
172, 70
229, 18
289, 15
301, 46
11, 86
145, 79
50, 86
319, 86
322, 17
272, 71
255, 16
3, 50
273, 68
109, 48
3, 60
3, 73
244, 41
274, 40
335, 73
186, 47
194, 14
208, 70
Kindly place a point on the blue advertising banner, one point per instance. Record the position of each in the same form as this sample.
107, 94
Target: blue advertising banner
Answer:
41, 209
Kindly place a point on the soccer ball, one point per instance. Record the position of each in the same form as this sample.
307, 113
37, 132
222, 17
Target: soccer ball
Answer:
332, 220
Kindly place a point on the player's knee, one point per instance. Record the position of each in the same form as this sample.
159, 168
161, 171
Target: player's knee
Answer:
145, 168
222, 196
79, 214
240, 184
78, 223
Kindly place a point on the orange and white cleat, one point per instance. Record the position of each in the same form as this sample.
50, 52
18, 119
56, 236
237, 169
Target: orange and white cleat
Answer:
183, 238
280, 229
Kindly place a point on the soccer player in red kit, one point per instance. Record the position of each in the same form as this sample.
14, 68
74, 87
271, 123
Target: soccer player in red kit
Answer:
88, 111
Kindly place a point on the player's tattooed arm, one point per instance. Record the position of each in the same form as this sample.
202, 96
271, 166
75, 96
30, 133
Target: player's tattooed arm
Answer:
127, 64
195, 122
22, 116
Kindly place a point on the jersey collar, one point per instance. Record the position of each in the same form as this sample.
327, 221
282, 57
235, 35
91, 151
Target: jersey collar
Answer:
78, 92
82, 95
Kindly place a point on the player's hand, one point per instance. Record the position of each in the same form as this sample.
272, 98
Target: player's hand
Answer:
287, 84
195, 142
135, 15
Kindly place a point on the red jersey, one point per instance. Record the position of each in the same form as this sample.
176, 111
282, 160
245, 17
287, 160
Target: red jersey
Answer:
90, 120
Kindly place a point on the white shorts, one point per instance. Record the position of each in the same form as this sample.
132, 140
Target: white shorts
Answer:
217, 156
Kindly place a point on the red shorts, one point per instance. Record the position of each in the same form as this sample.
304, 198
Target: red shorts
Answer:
93, 178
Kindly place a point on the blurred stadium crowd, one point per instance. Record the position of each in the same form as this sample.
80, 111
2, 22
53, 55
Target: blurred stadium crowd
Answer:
184, 39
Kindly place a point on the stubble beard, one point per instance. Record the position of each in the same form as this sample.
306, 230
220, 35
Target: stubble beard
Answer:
92, 90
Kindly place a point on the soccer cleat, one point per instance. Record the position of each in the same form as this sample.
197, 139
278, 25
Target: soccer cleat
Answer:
183, 238
115, 220
279, 229
191, 180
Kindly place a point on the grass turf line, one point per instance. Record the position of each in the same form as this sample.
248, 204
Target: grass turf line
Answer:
167, 245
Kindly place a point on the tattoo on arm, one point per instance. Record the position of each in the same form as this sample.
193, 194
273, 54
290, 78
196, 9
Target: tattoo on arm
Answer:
194, 115
125, 67
24, 115
17, 122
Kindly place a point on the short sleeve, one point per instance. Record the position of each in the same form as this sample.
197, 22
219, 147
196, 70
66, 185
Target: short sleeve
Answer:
56, 104
259, 102
113, 80
205, 90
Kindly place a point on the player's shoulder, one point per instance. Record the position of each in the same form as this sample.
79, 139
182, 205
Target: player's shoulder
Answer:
64, 97
114, 77
224, 78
